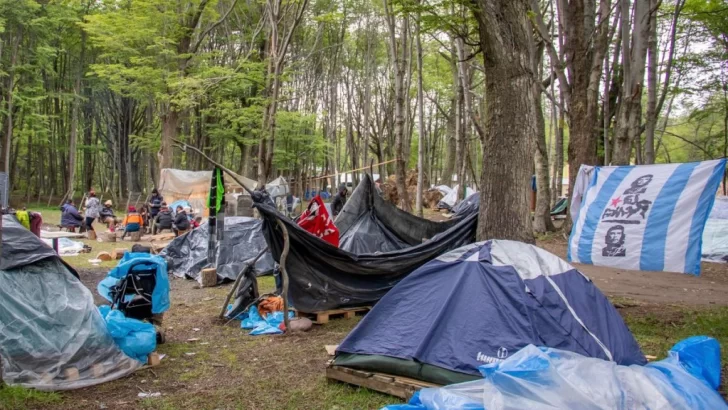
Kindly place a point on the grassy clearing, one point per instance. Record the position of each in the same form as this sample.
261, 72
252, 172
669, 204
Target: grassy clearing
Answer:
18, 398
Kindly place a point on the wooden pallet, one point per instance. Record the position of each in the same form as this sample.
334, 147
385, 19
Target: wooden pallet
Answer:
321, 318
398, 386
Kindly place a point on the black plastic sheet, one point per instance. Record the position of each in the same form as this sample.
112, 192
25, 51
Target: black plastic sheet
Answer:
324, 277
369, 224
187, 255
469, 205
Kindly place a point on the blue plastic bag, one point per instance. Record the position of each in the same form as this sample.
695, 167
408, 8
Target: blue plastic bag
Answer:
551, 378
135, 338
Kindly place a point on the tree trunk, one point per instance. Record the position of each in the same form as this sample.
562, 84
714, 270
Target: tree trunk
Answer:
464, 118
634, 54
542, 215
170, 122
420, 123
505, 38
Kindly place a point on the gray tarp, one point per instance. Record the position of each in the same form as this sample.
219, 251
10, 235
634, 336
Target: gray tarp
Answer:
187, 255
52, 337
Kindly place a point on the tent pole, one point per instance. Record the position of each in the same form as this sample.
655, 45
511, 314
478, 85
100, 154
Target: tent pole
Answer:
284, 274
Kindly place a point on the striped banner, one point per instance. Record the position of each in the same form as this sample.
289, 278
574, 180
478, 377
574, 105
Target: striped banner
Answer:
646, 217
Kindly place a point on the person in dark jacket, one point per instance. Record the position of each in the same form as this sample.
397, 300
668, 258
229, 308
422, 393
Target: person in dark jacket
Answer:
155, 203
70, 217
163, 220
339, 201
181, 222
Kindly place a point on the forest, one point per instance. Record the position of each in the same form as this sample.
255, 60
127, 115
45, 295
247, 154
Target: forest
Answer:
102, 93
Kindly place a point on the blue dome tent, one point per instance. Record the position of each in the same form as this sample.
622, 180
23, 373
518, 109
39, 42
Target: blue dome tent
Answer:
480, 304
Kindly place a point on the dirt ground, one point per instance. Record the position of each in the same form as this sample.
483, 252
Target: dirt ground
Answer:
211, 364
710, 288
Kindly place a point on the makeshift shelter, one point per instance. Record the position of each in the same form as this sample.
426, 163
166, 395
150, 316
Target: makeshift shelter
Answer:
480, 304
187, 255
380, 245
369, 224
52, 337
451, 198
646, 217
277, 188
194, 187
715, 235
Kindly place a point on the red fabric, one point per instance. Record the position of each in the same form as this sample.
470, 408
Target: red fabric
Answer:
36, 221
316, 220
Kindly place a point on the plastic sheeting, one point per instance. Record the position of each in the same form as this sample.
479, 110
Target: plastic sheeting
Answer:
369, 224
715, 234
187, 255
469, 205
66, 247
194, 186
49, 325
21, 247
451, 199
277, 188
325, 277
555, 379
136, 338
270, 325
130, 260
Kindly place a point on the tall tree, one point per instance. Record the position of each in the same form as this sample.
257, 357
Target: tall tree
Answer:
505, 38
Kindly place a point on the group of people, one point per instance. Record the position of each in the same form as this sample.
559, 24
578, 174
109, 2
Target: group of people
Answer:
29, 219
156, 216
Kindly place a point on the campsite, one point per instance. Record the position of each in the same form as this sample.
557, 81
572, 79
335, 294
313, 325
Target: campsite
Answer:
364, 204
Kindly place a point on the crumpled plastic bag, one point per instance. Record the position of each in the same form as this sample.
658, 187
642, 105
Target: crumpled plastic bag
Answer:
268, 326
551, 378
135, 338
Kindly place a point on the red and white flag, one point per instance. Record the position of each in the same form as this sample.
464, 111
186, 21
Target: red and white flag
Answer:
316, 220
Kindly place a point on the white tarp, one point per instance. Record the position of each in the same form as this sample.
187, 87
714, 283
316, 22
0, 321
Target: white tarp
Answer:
451, 199
715, 235
194, 186
66, 247
277, 188
646, 217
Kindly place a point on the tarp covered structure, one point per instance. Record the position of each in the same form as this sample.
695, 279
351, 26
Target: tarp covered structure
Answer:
480, 304
243, 239
369, 224
277, 188
450, 200
646, 217
194, 186
715, 234
49, 326
547, 378
395, 243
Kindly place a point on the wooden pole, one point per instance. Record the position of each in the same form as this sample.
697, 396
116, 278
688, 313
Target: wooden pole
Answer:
284, 273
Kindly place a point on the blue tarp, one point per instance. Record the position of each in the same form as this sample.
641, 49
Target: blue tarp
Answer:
160, 295
135, 338
556, 379
180, 202
258, 325
483, 302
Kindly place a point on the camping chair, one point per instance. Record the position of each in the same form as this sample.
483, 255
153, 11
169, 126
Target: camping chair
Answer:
132, 295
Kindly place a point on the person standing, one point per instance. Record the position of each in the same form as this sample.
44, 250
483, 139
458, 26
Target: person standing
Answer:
339, 201
93, 207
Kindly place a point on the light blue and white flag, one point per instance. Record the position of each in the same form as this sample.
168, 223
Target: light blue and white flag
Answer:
646, 217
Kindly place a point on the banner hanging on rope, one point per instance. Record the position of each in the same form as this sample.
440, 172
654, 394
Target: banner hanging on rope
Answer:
646, 217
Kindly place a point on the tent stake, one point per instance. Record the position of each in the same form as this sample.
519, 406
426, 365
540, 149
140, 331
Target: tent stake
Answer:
284, 274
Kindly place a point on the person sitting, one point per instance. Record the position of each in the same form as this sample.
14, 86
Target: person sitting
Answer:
23, 216
106, 216
70, 217
181, 222
163, 220
196, 222
133, 222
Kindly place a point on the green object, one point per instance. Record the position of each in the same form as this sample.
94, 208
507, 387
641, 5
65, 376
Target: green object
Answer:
216, 197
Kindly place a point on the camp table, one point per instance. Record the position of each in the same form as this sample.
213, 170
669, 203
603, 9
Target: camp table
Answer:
54, 236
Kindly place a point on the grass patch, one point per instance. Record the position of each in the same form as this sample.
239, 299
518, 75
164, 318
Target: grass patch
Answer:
16, 397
